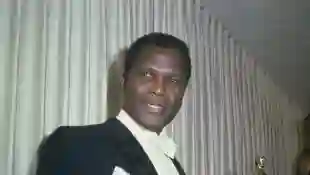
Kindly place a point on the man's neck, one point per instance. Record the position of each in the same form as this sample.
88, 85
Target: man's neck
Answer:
157, 131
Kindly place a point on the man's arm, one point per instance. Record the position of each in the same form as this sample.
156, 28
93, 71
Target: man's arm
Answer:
51, 155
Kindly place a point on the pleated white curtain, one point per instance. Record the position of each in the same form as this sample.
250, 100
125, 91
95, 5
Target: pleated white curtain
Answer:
55, 59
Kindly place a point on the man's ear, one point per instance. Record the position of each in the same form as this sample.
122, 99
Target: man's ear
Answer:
188, 90
122, 80
121, 64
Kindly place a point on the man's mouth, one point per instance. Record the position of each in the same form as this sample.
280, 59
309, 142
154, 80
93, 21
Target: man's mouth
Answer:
155, 108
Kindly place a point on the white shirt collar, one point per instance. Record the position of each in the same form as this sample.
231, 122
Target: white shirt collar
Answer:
166, 144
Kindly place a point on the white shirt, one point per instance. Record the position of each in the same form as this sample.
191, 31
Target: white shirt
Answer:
159, 148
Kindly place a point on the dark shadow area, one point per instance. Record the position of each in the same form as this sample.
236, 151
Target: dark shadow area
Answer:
302, 163
114, 90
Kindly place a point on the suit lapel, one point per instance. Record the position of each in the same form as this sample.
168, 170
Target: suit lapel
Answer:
178, 166
130, 154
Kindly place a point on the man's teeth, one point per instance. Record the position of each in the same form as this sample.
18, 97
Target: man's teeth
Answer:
155, 106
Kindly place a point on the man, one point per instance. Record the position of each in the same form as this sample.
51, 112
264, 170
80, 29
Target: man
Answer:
157, 71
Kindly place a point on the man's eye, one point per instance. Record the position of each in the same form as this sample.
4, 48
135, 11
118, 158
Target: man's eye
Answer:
174, 80
147, 74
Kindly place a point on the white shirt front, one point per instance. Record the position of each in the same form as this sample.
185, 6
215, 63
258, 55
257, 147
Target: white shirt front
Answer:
159, 148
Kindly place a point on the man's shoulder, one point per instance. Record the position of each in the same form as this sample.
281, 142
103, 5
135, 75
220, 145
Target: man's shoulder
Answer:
94, 131
87, 138
75, 144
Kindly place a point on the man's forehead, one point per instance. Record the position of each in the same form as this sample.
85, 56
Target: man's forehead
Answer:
151, 51
163, 58
161, 65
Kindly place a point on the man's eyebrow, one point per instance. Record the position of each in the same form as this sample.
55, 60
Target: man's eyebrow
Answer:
165, 70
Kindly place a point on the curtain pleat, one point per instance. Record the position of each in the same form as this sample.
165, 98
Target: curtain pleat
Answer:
60, 66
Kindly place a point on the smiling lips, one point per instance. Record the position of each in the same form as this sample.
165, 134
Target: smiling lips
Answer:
155, 108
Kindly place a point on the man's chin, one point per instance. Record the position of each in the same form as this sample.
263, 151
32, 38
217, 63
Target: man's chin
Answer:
153, 121
155, 127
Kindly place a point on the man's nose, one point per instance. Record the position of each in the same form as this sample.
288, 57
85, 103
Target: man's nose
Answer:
159, 86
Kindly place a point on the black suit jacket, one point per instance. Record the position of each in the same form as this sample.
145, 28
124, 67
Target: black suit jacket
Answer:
94, 150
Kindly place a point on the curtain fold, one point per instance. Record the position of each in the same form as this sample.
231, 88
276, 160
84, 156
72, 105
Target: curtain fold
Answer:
58, 61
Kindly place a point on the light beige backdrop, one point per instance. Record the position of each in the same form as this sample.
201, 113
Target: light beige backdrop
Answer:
55, 57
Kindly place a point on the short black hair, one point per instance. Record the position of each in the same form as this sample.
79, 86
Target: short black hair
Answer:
161, 40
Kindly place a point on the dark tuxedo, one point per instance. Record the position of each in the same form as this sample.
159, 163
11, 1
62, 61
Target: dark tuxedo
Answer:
94, 150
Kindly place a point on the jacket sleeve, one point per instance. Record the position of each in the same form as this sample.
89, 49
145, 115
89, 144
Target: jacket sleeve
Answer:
51, 155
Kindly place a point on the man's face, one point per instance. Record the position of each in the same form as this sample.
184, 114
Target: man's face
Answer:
154, 87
